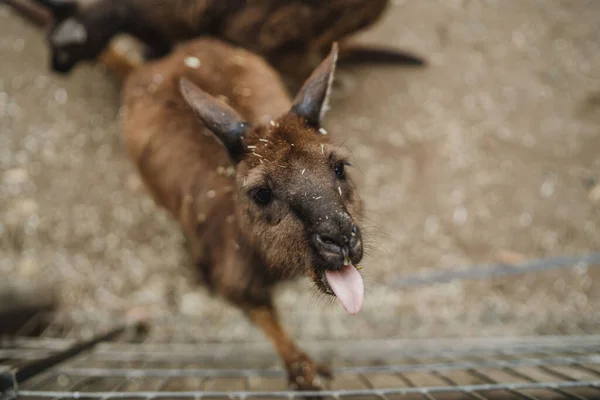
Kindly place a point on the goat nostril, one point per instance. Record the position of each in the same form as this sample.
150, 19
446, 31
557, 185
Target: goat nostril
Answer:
329, 244
354, 230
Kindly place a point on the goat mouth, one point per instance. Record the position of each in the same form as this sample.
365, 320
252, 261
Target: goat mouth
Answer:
346, 284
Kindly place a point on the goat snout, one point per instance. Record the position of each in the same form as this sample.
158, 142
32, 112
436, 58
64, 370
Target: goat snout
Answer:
337, 243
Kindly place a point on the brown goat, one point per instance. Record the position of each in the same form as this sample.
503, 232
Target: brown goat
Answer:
293, 35
259, 189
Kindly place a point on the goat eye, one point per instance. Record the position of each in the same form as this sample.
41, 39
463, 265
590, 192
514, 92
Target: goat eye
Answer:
263, 196
339, 170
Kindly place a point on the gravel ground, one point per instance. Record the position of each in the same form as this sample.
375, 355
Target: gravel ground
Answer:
491, 153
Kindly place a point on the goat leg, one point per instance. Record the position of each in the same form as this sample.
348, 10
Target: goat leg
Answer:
302, 371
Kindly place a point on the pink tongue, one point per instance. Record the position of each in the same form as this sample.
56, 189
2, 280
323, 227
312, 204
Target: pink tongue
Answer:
347, 284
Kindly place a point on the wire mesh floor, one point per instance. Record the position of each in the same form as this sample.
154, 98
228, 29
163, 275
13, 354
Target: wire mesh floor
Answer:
120, 364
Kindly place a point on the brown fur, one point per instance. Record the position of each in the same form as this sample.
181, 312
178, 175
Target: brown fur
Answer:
241, 248
293, 35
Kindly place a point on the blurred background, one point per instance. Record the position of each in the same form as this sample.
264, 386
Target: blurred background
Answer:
489, 154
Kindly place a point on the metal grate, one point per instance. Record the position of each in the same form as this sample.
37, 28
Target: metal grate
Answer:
120, 363
487, 271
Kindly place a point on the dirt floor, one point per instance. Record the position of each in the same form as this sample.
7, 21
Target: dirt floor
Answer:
493, 149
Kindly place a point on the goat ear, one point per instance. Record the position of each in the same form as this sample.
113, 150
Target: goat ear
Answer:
221, 119
60, 9
312, 101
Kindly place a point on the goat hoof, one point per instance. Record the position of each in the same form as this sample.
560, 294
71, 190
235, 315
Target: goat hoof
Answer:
304, 375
